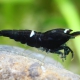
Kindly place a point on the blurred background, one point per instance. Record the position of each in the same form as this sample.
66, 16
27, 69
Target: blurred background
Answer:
43, 15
